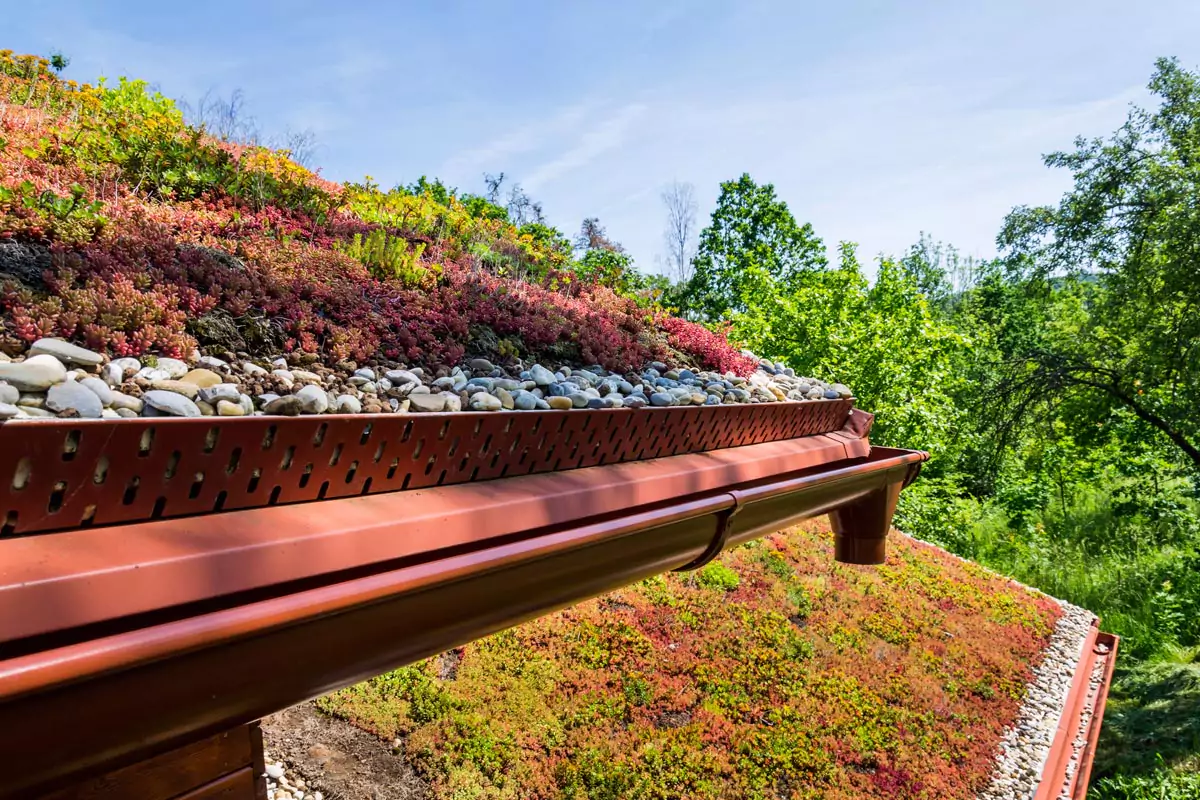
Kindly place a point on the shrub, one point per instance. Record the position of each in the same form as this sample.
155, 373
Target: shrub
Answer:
389, 257
710, 349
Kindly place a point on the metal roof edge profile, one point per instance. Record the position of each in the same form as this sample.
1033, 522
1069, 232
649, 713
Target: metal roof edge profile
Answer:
129, 662
1068, 765
50, 583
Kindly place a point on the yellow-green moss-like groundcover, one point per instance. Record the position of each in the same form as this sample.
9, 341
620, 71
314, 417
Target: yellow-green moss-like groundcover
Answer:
773, 673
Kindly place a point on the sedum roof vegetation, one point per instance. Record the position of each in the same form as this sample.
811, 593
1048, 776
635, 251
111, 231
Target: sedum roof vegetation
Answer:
772, 673
131, 232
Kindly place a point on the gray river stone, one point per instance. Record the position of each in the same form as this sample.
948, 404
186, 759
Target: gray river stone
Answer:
169, 404
65, 352
34, 374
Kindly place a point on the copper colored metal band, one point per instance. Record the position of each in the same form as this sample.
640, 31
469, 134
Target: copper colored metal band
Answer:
1106, 647
717, 545
83, 577
1058, 777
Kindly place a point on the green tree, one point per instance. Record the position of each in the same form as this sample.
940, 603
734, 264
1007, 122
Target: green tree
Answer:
1122, 252
435, 188
547, 236
752, 242
593, 236
604, 261
611, 268
942, 273
903, 363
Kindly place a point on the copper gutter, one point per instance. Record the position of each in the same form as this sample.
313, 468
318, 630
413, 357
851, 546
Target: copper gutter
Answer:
1069, 763
120, 643
51, 583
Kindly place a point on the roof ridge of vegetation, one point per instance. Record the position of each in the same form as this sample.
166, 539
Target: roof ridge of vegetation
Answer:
130, 231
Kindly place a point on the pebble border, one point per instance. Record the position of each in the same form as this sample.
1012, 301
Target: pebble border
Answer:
284, 784
55, 379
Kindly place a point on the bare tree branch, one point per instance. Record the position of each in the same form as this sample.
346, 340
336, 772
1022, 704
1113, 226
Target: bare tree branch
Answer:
1026, 388
680, 200
223, 117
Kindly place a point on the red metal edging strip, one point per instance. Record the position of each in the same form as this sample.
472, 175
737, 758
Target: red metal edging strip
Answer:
64, 580
1106, 648
64, 474
1069, 762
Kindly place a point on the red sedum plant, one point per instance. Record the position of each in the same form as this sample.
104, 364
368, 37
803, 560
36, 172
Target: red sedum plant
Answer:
712, 349
162, 237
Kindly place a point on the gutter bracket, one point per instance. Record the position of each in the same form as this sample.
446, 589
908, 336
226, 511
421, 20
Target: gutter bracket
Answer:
717, 544
914, 470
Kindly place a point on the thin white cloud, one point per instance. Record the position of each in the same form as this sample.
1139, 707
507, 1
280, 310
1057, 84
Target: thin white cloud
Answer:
605, 136
527, 138
918, 158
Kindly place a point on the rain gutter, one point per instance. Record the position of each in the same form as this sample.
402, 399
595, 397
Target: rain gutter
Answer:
118, 643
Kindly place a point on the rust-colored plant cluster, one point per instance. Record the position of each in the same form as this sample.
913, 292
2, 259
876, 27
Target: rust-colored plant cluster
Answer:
777, 674
126, 229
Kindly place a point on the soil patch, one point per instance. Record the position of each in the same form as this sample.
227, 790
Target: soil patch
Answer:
448, 664
25, 262
345, 763
672, 719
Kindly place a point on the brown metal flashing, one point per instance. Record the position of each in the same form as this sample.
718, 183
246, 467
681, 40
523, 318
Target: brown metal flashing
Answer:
720, 538
1069, 763
239, 785
63, 474
1106, 648
157, 680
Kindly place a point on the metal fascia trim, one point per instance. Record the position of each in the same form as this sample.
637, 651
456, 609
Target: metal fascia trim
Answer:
1068, 765
37, 671
1106, 647
54, 582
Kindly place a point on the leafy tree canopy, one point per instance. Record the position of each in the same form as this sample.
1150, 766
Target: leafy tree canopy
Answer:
751, 241
1122, 249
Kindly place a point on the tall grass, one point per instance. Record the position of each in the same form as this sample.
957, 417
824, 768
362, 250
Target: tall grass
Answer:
1162, 785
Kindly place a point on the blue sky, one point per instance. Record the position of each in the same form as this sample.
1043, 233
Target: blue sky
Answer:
874, 120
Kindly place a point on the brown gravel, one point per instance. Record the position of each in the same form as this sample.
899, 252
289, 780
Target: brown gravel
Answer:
343, 762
